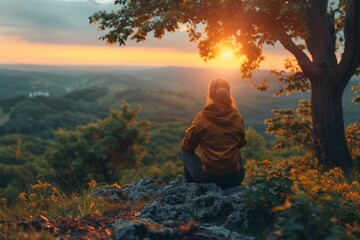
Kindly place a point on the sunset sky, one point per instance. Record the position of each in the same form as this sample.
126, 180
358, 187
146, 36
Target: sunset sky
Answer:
57, 32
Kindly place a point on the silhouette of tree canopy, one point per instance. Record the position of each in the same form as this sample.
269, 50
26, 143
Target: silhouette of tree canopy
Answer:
323, 37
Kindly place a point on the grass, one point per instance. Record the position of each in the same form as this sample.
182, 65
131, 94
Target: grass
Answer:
47, 213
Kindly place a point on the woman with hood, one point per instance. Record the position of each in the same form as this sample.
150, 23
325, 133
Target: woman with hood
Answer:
219, 131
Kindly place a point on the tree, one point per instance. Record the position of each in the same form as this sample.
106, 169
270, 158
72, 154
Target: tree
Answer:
256, 148
292, 128
22, 162
100, 149
313, 31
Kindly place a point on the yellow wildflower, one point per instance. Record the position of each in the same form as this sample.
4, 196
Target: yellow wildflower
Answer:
22, 196
33, 205
92, 184
353, 196
327, 197
115, 185
355, 184
32, 196
264, 164
41, 185
53, 198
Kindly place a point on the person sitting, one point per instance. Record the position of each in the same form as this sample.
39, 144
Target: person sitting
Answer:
219, 131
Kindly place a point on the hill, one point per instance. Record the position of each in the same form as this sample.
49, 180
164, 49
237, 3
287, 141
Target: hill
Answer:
165, 94
41, 116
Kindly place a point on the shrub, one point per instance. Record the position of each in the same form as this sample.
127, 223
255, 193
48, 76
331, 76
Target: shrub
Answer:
99, 150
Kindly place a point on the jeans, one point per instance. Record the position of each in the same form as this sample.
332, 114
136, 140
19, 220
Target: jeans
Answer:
193, 172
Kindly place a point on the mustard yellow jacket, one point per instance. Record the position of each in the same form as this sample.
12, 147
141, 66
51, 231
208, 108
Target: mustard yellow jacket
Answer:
219, 131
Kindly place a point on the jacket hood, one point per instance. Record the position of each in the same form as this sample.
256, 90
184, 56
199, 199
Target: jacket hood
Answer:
221, 114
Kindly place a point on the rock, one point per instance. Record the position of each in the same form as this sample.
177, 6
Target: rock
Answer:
141, 229
218, 213
215, 232
112, 194
144, 189
204, 203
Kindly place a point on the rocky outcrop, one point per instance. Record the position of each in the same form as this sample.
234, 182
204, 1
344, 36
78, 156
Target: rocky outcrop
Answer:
217, 213
144, 189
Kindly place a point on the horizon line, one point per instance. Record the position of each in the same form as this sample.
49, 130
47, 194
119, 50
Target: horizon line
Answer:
118, 65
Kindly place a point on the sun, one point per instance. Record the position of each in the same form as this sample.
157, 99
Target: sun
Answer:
226, 52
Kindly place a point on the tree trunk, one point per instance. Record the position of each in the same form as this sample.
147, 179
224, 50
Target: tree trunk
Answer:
331, 149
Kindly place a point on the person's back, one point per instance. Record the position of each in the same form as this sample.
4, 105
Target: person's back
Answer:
219, 131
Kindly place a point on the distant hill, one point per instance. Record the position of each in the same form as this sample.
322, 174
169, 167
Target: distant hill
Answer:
42, 116
165, 94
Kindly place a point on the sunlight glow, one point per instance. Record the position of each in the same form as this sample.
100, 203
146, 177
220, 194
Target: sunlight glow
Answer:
227, 53
17, 51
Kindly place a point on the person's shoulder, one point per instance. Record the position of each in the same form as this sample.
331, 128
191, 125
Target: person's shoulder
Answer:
239, 120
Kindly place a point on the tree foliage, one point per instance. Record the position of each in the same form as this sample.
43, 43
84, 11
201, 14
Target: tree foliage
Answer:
100, 149
256, 148
21, 163
312, 31
295, 128
244, 25
292, 129
356, 89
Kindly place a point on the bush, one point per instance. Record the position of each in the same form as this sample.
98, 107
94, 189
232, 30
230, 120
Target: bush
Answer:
99, 150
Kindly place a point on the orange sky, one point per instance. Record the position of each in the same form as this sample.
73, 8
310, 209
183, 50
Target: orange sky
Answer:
57, 32
17, 51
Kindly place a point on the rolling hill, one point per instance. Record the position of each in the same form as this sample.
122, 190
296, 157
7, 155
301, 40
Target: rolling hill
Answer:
165, 94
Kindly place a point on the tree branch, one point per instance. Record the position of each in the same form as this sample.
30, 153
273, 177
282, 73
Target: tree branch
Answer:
310, 69
350, 59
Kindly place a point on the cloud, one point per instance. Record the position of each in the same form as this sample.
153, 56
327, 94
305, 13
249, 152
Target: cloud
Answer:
66, 22
43, 19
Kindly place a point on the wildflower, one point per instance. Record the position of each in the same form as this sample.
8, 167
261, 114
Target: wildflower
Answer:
336, 172
41, 185
327, 197
53, 198
22, 196
92, 184
32, 196
278, 234
355, 184
353, 196
315, 188
264, 164
281, 208
115, 185
287, 203
33, 205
